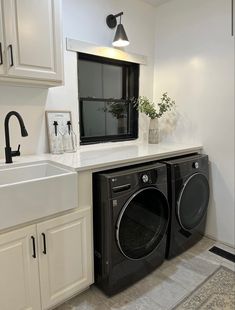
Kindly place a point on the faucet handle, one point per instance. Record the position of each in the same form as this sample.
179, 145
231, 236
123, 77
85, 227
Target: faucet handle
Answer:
16, 153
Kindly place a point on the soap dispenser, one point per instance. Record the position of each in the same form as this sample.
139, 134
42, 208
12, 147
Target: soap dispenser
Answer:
56, 140
69, 139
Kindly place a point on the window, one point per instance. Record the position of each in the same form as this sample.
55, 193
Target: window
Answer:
106, 87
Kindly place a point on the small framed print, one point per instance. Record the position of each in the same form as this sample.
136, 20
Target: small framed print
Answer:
61, 117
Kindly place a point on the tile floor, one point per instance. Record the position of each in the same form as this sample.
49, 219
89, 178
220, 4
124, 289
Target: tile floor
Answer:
163, 288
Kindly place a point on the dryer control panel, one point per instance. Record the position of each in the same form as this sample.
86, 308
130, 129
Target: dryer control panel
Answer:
195, 165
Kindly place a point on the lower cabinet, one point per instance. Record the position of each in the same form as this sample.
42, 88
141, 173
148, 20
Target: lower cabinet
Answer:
19, 278
44, 264
65, 256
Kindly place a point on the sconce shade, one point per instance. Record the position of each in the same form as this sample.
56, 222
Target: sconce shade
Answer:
120, 38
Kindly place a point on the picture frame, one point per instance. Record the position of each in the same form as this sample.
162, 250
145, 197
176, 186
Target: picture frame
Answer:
62, 117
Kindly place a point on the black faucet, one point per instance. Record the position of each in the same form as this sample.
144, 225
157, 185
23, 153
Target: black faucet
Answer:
8, 152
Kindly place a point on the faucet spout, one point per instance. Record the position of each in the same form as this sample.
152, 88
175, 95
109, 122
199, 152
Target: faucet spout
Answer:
8, 152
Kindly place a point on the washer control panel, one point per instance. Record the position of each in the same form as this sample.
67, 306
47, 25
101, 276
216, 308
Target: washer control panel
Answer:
148, 177
145, 178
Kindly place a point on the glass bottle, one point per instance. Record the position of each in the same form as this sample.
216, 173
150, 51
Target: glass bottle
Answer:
56, 140
69, 139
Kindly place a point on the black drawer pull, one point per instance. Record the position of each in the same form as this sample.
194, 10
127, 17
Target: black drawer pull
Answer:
44, 244
34, 247
121, 188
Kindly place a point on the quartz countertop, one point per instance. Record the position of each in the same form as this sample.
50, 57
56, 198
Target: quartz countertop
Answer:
97, 157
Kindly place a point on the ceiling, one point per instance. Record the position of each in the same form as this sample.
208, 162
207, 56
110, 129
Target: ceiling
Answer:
156, 2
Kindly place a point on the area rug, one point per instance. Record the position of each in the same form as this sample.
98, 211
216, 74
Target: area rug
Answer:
216, 293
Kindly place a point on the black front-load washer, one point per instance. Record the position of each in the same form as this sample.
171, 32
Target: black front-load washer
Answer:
131, 216
188, 196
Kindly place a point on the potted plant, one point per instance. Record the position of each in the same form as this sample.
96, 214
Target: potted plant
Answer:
154, 111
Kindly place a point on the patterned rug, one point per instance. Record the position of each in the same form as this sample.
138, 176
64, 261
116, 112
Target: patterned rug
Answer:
216, 293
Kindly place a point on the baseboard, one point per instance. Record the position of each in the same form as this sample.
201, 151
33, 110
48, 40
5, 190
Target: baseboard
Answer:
219, 241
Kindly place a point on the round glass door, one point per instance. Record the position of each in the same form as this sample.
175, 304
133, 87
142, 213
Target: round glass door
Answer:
142, 223
193, 201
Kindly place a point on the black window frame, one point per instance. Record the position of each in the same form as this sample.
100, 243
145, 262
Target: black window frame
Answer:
129, 69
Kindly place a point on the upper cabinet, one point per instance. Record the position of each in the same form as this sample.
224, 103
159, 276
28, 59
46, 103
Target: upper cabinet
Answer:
1, 41
31, 42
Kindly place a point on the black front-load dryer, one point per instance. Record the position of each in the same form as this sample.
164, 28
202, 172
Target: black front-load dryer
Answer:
131, 216
188, 196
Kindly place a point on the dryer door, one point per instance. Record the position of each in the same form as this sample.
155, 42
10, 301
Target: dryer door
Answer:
142, 223
193, 201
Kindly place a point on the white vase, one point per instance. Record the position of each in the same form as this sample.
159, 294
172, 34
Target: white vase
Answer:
153, 131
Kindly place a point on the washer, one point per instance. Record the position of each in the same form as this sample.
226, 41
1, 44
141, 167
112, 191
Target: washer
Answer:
188, 196
131, 216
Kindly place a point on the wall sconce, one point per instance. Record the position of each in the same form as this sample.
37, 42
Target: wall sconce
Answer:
120, 38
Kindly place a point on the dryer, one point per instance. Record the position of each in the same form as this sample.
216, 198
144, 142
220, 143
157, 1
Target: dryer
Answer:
131, 216
188, 196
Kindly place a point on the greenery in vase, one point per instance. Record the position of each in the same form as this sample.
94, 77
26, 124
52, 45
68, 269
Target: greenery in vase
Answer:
144, 105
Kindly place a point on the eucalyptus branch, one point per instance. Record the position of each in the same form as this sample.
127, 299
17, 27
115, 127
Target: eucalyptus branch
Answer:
144, 105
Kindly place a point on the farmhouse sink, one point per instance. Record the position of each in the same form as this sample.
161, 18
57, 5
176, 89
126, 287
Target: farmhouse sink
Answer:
33, 191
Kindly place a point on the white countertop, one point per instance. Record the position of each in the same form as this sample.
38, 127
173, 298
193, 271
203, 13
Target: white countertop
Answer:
96, 157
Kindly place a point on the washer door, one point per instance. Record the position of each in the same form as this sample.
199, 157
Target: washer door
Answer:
142, 223
193, 201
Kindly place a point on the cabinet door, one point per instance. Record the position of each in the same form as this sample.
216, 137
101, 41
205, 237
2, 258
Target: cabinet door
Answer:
19, 279
1, 41
33, 38
65, 258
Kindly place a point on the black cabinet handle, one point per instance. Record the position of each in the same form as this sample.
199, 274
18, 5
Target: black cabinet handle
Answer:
34, 247
232, 18
44, 244
11, 56
1, 57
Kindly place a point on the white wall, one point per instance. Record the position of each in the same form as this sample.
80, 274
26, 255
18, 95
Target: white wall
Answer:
83, 20
194, 62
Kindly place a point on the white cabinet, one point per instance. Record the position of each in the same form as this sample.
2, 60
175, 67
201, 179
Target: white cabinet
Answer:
19, 279
65, 256
32, 41
2, 47
57, 251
